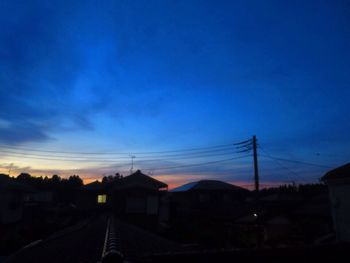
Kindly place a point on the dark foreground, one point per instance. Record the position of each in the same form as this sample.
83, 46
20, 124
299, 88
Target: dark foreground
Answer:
80, 243
84, 242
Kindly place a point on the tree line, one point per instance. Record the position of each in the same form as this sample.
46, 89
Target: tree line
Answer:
40, 182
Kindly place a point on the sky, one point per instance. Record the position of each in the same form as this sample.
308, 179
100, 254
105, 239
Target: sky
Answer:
85, 85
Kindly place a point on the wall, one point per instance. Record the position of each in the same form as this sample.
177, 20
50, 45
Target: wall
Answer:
340, 202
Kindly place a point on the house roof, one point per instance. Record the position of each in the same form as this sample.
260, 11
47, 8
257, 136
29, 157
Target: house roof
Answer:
207, 185
146, 243
138, 179
93, 186
82, 242
342, 172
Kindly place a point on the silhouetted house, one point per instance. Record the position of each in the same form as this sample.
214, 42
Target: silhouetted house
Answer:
92, 196
137, 194
208, 198
12, 196
338, 181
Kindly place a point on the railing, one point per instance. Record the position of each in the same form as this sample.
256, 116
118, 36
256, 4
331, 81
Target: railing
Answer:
111, 250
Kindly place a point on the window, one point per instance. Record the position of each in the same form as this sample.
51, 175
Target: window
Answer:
101, 199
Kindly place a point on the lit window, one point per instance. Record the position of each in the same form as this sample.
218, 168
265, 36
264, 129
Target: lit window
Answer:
101, 199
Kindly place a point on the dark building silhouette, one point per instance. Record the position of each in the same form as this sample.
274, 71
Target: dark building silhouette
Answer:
92, 196
137, 197
207, 198
338, 181
12, 198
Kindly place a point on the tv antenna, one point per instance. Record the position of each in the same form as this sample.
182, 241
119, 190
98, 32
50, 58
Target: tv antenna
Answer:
132, 163
10, 168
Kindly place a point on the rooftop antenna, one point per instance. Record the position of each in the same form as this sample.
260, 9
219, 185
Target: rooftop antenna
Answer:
132, 163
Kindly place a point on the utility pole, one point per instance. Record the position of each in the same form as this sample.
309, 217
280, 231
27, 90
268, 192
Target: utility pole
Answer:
257, 214
256, 170
247, 146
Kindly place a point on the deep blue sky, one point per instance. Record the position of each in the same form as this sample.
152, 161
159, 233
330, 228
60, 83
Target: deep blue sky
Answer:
135, 76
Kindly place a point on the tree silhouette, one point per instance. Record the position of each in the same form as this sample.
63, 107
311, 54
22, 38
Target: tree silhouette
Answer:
24, 177
111, 178
75, 181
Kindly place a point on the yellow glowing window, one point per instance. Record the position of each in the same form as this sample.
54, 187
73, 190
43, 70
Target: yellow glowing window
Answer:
101, 199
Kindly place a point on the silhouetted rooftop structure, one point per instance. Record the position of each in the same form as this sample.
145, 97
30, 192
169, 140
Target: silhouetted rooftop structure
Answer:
80, 243
338, 181
146, 242
207, 185
342, 172
84, 242
137, 195
207, 199
93, 186
92, 196
138, 179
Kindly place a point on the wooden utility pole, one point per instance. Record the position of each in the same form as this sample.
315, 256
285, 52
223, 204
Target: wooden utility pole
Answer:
256, 170
260, 227
247, 146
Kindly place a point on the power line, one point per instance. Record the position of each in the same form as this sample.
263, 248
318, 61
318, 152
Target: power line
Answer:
118, 157
190, 153
121, 153
190, 157
243, 142
178, 166
106, 157
125, 153
278, 163
111, 159
296, 161
198, 164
